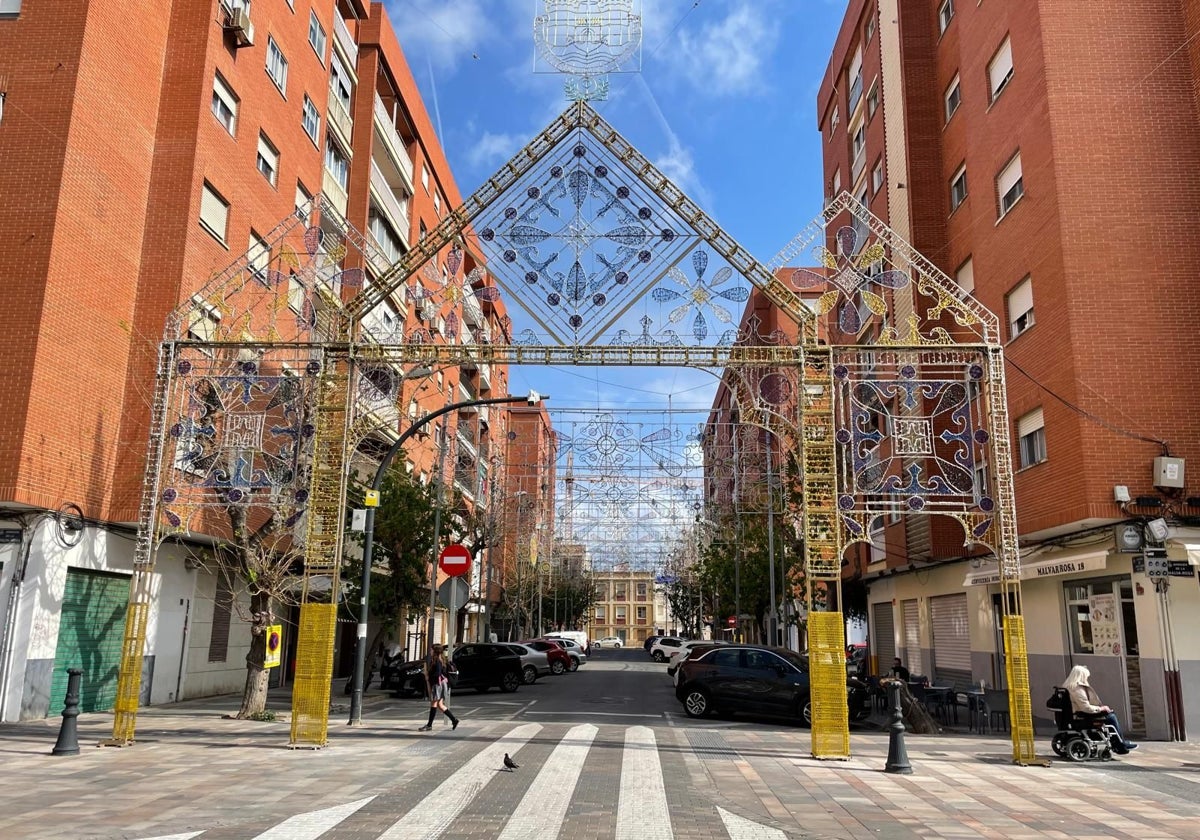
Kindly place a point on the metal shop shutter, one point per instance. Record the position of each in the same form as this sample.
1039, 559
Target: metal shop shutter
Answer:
912, 637
883, 636
951, 637
89, 637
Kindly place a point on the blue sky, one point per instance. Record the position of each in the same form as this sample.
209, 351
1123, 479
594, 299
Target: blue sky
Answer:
723, 104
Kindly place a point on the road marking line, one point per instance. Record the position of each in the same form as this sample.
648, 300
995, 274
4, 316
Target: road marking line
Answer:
590, 713
433, 814
521, 710
740, 828
539, 816
313, 824
642, 808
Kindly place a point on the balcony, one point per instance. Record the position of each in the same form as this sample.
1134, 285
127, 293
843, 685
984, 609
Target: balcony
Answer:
393, 144
472, 311
333, 191
345, 41
391, 207
340, 119
485, 377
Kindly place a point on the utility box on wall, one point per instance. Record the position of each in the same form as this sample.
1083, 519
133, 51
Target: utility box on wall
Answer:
1168, 472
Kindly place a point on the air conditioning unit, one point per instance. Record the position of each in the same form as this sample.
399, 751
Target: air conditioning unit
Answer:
239, 23
428, 311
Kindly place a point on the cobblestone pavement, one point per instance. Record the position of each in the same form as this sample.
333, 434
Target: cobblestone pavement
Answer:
616, 775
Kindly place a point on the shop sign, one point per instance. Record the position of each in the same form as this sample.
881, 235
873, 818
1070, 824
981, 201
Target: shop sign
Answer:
1046, 568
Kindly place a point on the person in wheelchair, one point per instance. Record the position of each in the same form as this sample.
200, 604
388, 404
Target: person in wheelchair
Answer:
1086, 706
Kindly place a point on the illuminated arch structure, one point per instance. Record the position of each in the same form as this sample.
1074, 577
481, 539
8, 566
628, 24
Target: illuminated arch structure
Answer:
890, 397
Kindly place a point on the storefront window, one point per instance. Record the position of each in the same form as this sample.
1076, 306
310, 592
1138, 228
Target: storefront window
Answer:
1102, 635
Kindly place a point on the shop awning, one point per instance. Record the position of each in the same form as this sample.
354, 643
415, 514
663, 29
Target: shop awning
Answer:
1183, 550
1046, 565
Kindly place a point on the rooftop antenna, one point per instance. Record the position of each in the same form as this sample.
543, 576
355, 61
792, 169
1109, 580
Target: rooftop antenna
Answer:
587, 40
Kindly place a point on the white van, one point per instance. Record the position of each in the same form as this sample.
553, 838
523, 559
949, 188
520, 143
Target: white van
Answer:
577, 636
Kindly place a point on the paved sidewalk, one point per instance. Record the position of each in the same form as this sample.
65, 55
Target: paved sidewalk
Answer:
192, 770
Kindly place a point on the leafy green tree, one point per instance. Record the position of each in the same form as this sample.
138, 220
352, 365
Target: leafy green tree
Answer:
403, 549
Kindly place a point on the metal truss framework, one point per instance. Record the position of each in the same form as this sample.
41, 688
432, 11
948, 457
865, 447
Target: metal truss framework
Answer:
267, 381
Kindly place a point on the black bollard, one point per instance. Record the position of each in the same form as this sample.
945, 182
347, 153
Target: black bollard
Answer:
68, 734
897, 760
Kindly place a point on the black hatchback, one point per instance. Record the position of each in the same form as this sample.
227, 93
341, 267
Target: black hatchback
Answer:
758, 680
482, 666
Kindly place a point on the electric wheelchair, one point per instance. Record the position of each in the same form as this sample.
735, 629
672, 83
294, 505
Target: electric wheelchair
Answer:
1079, 737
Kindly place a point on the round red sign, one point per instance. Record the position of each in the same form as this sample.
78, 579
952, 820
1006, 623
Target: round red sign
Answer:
731, 621
454, 560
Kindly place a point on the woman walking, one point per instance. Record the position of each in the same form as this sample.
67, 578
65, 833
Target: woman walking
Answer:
437, 681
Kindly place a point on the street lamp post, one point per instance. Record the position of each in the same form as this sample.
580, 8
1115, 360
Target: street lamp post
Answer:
533, 398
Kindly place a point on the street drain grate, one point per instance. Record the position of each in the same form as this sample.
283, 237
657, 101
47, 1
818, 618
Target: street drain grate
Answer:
708, 744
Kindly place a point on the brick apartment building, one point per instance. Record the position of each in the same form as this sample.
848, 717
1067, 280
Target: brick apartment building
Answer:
1044, 156
146, 147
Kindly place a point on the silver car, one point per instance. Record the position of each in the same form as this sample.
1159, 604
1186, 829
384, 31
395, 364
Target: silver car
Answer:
534, 663
573, 648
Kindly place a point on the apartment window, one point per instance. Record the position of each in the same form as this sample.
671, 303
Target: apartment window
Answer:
600, 613
424, 177
877, 176
945, 14
10, 8
258, 256
1000, 69
310, 119
277, 65
953, 98
339, 83
622, 612
422, 232
203, 321
303, 210
1031, 433
833, 121
958, 188
858, 141
437, 203
641, 593
641, 613
214, 212
296, 293
224, 104
837, 183
1009, 185
869, 31
385, 236
316, 36
856, 82
1019, 303
965, 276
620, 592
336, 163
218, 639
267, 160
873, 99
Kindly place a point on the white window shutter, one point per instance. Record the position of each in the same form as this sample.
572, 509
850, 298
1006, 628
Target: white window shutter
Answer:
1020, 299
214, 212
1030, 423
1009, 177
1001, 66
965, 276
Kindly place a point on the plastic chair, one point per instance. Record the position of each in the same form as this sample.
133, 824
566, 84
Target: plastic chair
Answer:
995, 700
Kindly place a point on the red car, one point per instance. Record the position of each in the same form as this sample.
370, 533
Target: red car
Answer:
560, 660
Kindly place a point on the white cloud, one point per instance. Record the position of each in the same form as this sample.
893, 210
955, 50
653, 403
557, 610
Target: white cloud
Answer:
444, 33
491, 150
727, 57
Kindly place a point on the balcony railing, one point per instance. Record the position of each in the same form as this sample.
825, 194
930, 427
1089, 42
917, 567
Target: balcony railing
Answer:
333, 191
392, 142
345, 40
339, 117
396, 212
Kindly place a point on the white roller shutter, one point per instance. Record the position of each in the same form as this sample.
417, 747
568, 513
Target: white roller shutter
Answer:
912, 637
883, 636
951, 638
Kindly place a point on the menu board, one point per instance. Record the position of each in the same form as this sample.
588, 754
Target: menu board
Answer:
1106, 632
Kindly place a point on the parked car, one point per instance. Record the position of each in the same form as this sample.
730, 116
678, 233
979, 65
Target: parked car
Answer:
560, 660
609, 641
680, 653
756, 679
577, 636
689, 651
661, 650
534, 663
578, 654
649, 643
481, 666
408, 680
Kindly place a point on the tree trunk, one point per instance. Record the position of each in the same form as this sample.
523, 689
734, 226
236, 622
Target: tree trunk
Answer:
254, 695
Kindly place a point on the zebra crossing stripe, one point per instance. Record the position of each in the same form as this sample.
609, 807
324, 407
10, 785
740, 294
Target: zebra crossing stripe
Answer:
185, 836
539, 816
433, 814
312, 825
642, 808
740, 828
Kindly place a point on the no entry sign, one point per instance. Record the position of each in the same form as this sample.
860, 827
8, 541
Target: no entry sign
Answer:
454, 560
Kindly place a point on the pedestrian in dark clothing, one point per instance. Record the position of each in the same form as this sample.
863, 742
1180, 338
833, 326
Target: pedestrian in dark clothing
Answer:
437, 681
898, 670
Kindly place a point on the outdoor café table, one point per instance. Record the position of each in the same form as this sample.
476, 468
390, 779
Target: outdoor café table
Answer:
945, 696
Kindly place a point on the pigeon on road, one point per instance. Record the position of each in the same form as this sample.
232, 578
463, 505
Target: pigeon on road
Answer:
509, 764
